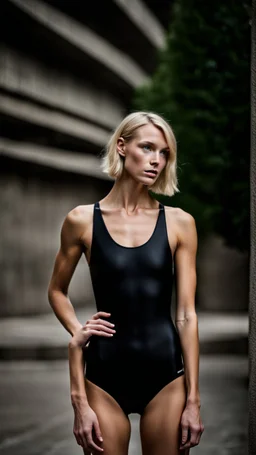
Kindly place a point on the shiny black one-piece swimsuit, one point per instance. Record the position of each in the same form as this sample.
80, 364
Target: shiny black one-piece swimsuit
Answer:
134, 284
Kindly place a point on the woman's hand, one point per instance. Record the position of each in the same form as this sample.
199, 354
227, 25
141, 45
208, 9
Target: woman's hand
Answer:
94, 326
87, 430
191, 427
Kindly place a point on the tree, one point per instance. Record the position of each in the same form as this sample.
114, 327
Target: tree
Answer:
202, 87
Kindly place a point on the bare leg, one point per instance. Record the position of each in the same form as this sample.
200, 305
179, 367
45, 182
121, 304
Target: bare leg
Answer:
160, 422
114, 424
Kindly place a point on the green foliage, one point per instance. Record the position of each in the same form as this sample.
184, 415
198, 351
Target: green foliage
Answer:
202, 88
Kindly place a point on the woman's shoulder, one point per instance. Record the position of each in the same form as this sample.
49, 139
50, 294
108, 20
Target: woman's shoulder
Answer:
80, 211
181, 218
79, 216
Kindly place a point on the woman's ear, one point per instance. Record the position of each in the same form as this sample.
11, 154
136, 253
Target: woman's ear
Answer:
120, 146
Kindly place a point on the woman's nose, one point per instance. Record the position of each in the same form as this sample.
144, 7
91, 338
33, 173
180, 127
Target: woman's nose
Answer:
155, 158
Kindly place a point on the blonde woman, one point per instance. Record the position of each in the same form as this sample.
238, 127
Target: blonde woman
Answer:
129, 357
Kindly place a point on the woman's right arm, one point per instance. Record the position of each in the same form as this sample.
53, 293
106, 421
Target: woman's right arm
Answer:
69, 253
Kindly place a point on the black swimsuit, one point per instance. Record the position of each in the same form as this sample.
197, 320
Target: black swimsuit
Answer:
134, 284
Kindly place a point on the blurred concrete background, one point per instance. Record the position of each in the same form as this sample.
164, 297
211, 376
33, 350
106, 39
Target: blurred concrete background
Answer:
67, 76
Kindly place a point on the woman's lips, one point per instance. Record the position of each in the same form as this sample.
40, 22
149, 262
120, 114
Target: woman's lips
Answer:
151, 174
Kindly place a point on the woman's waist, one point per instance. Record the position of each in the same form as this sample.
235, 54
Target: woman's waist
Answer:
142, 325
135, 340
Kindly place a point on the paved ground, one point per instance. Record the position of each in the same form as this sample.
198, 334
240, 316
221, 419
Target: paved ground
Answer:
37, 418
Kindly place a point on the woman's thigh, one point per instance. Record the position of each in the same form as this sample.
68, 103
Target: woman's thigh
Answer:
160, 422
114, 424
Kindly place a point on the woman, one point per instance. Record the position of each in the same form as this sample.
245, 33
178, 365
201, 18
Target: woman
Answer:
136, 360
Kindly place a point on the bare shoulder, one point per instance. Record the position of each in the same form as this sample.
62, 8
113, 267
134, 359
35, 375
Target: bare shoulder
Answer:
79, 214
182, 221
78, 220
183, 218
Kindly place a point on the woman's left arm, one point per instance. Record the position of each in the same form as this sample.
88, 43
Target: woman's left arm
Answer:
187, 327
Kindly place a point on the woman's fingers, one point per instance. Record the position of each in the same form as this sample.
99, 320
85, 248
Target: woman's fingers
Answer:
102, 321
87, 431
84, 439
91, 444
81, 441
82, 336
101, 333
99, 327
78, 440
193, 437
98, 321
184, 434
101, 313
200, 432
195, 434
97, 431
185, 438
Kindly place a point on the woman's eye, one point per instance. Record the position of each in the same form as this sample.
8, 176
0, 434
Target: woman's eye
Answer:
147, 147
164, 152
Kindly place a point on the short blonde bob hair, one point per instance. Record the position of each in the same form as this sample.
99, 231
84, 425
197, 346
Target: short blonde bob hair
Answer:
113, 164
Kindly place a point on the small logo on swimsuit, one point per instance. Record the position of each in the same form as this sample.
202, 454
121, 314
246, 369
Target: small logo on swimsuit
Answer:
180, 370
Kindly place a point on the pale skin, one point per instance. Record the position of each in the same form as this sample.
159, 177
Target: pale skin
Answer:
171, 422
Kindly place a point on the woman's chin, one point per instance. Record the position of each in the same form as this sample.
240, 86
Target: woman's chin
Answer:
149, 181
146, 181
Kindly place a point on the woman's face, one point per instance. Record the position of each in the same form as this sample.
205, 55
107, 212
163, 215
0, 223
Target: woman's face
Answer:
147, 151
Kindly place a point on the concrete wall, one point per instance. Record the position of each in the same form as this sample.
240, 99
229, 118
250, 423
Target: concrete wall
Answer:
34, 203
223, 283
